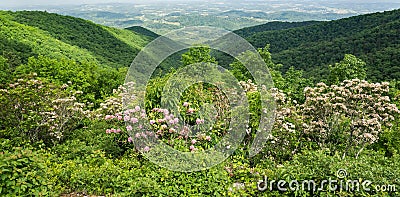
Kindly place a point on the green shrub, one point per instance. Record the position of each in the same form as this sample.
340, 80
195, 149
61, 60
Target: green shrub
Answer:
135, 176
25, 172
96, 82
320, 165
389, 142
38, 110
93, 137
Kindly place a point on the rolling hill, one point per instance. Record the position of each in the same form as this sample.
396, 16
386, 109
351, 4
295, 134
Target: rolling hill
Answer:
32, 33
65, 50
375, 38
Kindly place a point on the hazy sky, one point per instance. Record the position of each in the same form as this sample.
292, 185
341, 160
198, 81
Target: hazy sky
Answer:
25, 3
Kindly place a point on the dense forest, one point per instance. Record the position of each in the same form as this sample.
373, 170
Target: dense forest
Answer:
69, 125
271, 26
371, 37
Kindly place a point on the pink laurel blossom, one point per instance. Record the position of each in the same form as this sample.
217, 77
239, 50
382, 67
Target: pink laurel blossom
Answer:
134, 120
129, 128
208, 138
146, 149
190, 111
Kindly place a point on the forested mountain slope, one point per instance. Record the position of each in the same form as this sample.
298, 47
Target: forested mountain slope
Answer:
30, 33
65, 50
375, 38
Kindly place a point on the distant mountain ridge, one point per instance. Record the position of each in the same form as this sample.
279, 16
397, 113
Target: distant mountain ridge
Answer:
375, 38
289, 16
239, 13
275, 25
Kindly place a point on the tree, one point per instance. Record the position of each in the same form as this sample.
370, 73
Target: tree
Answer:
5, 72
295, 84
350, 67
243, 74
198, 54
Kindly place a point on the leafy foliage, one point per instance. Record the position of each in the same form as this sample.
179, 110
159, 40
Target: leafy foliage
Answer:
14, 51
97, 82
26, 172
5, 72
198, 55
349, 68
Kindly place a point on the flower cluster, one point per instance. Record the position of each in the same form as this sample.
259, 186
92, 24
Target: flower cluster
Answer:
157, 124
41, 110
351, 114
287, 128
114, 104
362, 104
113, 130
248, 86
64, 111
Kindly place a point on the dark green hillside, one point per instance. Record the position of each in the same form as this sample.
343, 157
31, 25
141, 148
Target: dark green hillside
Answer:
20, 39
64, 49
14, 51
377, 46
322, 32
276, 25
81, 33
368, 36
143, 31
